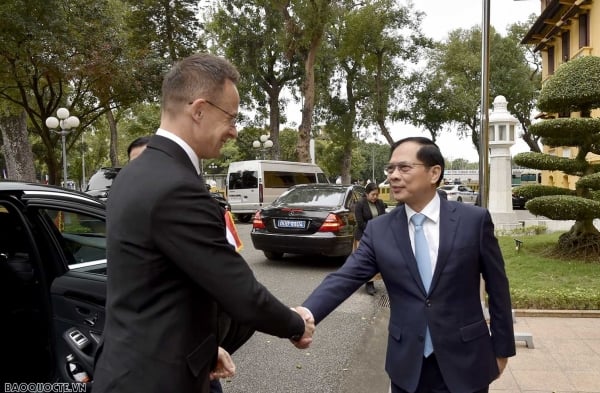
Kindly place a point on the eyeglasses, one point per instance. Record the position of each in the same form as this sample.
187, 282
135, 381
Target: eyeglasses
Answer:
232, 117
404, 167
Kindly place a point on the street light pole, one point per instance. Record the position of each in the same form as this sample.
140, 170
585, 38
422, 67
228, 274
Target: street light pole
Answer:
263, 144
66, 122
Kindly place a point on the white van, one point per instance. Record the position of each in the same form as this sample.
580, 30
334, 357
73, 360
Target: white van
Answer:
257, 183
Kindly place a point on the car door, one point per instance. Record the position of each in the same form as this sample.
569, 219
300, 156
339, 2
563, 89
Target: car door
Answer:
71, 235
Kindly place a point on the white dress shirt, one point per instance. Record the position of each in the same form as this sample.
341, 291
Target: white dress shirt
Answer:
188, 150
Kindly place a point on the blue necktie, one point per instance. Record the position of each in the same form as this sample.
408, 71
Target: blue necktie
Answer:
424, 264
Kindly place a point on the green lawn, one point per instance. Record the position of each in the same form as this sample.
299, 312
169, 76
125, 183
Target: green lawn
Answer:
540, 282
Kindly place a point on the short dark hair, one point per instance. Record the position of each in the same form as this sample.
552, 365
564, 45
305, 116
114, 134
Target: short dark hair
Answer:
429, 153
137, 142
371, 187
201, 75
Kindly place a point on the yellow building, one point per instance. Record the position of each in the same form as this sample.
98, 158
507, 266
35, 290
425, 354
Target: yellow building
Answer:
565, 30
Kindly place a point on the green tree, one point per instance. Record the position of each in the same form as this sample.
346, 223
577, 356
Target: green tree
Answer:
574, 87
366, 53
454, 82
251, 35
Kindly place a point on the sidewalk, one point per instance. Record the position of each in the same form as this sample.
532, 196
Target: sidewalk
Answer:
566, 357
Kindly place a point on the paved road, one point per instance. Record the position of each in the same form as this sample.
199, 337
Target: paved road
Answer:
341, 347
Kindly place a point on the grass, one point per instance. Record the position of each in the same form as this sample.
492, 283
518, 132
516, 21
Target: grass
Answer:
538, 281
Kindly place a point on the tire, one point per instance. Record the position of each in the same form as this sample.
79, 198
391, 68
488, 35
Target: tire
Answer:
459, 199
273, 256
243, 217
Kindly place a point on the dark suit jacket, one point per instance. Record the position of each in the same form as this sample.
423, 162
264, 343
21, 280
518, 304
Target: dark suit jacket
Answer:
363, 214
465, 350
169, 266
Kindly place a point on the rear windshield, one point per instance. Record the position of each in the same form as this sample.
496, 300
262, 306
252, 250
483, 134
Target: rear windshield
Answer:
243, 179
273, 179
326, 197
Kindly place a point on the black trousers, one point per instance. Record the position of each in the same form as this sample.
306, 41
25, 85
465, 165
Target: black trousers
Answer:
431, 380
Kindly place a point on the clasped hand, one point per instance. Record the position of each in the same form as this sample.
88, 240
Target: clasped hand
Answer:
309, 328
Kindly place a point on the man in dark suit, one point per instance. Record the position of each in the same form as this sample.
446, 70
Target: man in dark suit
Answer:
171, 269
439, 340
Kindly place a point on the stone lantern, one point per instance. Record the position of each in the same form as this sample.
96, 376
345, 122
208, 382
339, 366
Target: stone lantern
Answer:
501, 137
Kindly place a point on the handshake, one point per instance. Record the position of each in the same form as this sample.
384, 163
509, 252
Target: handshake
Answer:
225, 367
304, 341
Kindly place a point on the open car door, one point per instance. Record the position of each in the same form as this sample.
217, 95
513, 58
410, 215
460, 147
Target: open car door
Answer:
70, 236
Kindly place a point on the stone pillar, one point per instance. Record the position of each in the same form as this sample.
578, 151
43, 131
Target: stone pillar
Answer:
501, 137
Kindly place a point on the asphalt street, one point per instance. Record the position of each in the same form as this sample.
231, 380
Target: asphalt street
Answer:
342, 351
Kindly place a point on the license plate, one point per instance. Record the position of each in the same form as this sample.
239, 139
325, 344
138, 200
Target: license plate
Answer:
298, 224
235, 199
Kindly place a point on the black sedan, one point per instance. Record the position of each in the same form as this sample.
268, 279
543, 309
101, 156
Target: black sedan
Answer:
52, 283
308, 219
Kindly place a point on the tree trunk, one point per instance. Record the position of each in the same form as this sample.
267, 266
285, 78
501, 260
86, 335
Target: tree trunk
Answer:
347, 163
274, 122
16, 147
308, 92
114, 157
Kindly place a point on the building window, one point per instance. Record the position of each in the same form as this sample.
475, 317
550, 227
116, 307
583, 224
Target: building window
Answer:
550, 60
584, 39
566, 51
566, 153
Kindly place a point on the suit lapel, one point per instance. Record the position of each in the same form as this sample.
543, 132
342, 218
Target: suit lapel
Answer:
448, 226
403, 239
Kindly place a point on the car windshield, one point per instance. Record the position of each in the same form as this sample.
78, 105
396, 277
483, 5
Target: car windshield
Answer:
448, 188
316, 197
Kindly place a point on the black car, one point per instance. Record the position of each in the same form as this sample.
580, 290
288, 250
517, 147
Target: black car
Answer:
52, 283
308, 219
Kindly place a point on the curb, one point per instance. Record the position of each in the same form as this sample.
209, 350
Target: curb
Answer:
557, 313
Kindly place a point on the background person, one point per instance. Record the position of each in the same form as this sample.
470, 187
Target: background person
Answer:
365, 209
137, 146
439, 340
171, 266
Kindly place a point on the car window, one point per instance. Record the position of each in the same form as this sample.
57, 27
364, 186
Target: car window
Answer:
243, 179
317, 197
83, 237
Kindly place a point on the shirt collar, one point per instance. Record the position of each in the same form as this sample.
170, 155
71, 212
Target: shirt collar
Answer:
431, 210
188, 150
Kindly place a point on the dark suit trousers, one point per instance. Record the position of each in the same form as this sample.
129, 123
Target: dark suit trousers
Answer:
431, 380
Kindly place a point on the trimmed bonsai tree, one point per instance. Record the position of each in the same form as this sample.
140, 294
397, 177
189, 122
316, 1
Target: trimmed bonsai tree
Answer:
574, 87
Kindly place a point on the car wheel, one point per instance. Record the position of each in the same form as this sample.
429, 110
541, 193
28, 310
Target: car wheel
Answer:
273, 256
243, 217
459, 199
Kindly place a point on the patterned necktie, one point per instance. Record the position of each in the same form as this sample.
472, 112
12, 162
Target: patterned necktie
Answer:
424, 264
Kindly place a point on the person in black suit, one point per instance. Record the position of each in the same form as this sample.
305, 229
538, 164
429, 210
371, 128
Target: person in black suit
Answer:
431, 253
232, 334
170, 267
365, 209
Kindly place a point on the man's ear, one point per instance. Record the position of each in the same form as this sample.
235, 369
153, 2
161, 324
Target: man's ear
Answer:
436, 172
196, 109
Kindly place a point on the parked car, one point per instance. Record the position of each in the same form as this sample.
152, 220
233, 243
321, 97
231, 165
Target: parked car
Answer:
100, 182
459, 193
518, 202
52, 281
308, 219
